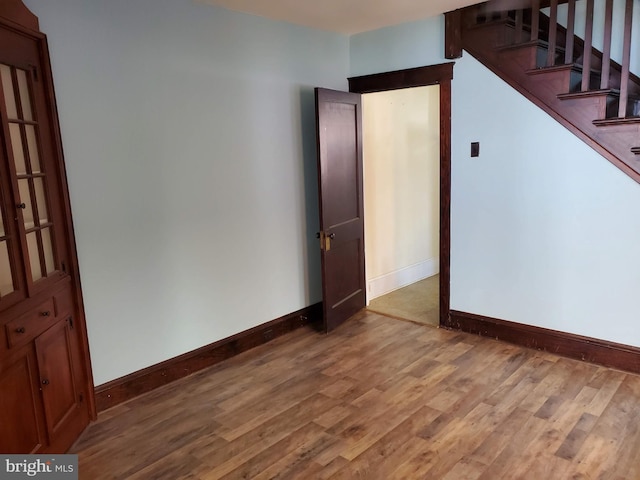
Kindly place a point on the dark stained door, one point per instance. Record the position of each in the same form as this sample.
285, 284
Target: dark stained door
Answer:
339, 137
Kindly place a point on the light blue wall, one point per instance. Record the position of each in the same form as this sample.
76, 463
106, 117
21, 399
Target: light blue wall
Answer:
540, 236
190, 149
409, 45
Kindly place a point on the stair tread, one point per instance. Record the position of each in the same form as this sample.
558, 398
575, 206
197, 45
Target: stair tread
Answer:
490, 23
530, 43
554, 68
616, 121
589, 93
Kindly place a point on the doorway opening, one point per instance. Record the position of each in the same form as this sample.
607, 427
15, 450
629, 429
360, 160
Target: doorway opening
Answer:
401, 156
440, 76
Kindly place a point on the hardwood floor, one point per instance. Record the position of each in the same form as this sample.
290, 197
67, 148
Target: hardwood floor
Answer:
377, 399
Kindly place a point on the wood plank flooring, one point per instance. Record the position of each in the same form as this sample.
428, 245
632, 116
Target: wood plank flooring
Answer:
377, 399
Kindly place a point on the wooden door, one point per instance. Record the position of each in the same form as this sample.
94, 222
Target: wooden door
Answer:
339, 138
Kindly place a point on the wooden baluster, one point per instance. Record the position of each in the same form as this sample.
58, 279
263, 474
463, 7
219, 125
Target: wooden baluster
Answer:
588, 42
626, 59
571, 25
519, 25
606, 49
535, 19
553, 33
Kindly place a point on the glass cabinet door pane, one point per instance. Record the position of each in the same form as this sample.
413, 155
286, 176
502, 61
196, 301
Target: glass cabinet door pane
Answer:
25, 197
34, 256
34, 156
16, 147
41, 201
7, 88
6, 279
25, 97
48, 250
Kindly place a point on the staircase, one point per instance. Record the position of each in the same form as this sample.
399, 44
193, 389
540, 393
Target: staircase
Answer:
595, 97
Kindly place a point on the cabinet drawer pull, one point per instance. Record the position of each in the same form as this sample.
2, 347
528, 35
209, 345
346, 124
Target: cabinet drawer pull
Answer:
45, 314
20, 330
45, 382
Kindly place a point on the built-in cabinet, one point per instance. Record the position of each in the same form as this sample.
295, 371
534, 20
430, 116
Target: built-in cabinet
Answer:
46, 392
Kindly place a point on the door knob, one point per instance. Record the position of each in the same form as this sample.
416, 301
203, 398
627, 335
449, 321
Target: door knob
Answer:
45, 313
332, 236
20, 330
45, 382
21, 205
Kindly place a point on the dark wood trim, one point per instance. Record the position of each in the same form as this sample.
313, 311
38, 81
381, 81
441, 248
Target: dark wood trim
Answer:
130, 386
445, 200
441, 75
589, 349
16, 12
411, 77
453, 34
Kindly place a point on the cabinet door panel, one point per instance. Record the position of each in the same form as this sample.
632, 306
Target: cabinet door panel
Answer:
57, 377
22, 430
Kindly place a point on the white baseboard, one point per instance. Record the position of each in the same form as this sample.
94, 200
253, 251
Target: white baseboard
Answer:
384, 284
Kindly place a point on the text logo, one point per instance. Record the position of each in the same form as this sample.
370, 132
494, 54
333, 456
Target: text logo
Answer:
54, 467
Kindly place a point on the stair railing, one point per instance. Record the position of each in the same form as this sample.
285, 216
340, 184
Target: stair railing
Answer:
541, 22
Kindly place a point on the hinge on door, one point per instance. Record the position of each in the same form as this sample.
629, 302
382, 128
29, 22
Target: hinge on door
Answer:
71, 322
80, 397
64, 267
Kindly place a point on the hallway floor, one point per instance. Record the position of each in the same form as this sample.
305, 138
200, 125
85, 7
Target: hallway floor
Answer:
417, 302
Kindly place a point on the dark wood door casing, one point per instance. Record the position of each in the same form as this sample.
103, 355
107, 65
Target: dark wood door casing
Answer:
441, 75
339, 124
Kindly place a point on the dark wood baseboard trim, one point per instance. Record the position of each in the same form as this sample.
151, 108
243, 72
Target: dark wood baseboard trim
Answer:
602, 352
125, 388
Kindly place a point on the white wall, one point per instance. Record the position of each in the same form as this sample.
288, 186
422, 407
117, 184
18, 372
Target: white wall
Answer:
540, 237
190, 148
401, 146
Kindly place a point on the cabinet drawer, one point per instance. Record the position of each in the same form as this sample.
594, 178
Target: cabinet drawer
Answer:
25, 328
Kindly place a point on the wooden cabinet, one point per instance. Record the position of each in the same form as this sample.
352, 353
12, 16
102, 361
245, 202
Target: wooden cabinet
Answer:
20, 413
46, 391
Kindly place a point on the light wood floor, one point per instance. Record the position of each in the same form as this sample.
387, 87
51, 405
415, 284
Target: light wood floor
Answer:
417, 302
377, 399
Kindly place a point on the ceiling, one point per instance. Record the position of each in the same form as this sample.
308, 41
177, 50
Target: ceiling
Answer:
343, 16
